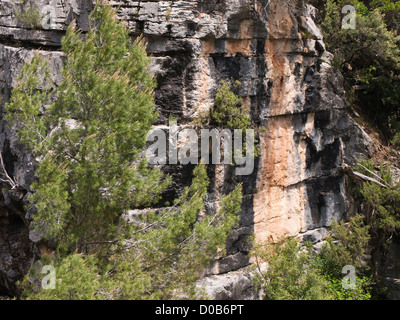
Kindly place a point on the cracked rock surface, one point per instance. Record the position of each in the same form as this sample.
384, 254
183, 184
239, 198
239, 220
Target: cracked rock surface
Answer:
276, 50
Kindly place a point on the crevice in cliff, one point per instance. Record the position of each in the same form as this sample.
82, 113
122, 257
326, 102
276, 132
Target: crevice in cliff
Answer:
27, 44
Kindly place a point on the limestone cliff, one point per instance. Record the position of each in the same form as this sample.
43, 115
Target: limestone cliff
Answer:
276, 50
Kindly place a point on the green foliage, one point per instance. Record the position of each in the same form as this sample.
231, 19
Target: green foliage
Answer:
371, 45
346, 246
396, 140
88, 134
368, 57
76, 279
382, 207
391, 10
365, 166
162, 259
296, 272
91, 133
180, 242
363, 288
29, 97
394, 126
30, 16
380, 204
291, 273
229, 113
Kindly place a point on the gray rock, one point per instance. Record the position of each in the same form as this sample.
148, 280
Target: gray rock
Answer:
237, 285
276, 50
313, 236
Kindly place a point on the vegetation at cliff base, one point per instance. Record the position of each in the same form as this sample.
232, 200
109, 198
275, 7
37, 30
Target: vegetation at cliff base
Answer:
296, 271
88, 135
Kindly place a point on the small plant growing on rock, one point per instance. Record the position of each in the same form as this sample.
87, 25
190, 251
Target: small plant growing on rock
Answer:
168, 14
228, 112
29, 16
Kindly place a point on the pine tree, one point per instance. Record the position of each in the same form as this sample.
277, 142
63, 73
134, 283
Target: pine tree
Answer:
89, 138
89, 134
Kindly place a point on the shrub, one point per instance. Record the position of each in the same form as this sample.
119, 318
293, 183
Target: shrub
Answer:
291, 273
30, 16
297, 272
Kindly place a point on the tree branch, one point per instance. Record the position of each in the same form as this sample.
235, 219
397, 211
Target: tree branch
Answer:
7, 179
349, 171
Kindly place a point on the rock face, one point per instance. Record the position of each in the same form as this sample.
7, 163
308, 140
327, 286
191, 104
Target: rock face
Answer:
309, 134
232, 286
275, 49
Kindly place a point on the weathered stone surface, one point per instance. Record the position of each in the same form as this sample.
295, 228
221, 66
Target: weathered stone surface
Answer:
276, 50
315, 236
233, 286
308, 132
